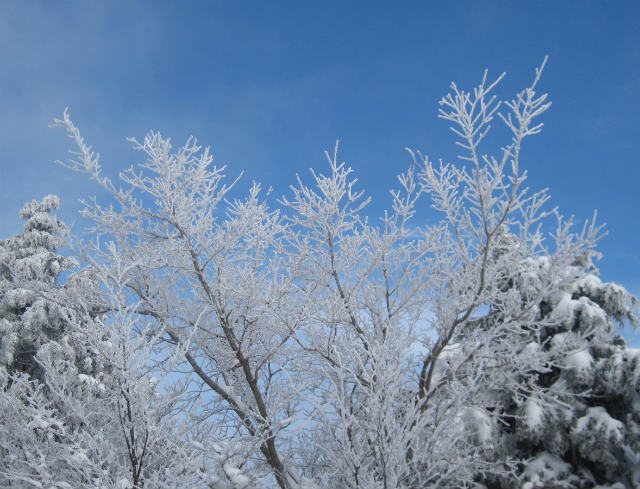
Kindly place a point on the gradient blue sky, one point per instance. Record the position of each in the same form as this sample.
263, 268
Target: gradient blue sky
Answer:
271, 85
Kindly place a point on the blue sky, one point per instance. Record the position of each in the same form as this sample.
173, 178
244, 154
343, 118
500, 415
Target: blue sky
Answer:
271, 85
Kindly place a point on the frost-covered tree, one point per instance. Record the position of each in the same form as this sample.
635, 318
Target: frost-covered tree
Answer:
77, 408
581, 428
215, 287
36, 330
327, 349
29, 269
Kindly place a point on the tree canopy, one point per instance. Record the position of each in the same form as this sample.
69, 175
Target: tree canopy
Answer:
300, 344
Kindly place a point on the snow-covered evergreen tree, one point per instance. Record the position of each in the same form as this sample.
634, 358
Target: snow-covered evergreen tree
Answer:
30, 313
572, 421
77, 408
39, 341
